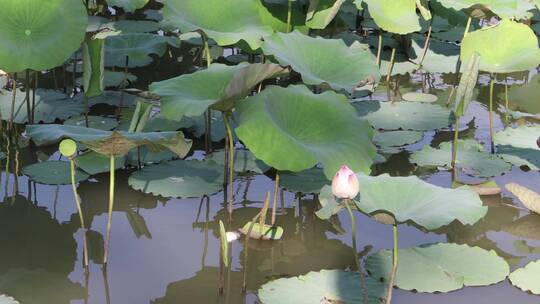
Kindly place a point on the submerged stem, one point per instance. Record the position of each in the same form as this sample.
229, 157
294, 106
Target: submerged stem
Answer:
79, 209
111, 206
395, 262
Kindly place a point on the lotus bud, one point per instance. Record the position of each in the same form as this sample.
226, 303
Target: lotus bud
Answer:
232, 236
68, 148
345, 183
538, 142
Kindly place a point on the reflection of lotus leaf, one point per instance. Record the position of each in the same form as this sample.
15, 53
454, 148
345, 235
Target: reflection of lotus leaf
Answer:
440, 267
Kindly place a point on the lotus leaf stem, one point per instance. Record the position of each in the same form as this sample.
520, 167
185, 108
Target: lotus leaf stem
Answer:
289, 16
79, 209
379, 49
27, 91
426, 44
230, 141
274, 203
467, 27
506, 105
111, 207
34, 96
491, 86
13, 99
347, 203
392, 58
395, 261
455, 149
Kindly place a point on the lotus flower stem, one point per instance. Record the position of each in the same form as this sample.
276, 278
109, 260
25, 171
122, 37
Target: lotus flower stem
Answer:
111, 207
274, 203
392, 58
246, 249
454, 149
379, 49
395, 261
231, 161
79, 209
491, 86
347, 203
289, 16
14, 96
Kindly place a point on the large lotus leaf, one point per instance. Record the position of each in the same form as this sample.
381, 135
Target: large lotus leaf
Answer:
498, 46
526, 278
226, 22
417, 116
93, 67
128, 5
110, 142
244, 161
307, 181
440, 267
412, 199
325, 286
293, 129
38, 34
518, 145
49, 106
53, 173
218, 86
518, 9
94, 122
471, 158
7, 300
396, 16
322, 12
324, 61
179, 178
137, 46
94, 163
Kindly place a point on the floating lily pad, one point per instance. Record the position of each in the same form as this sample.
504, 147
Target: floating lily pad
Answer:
513, 9
440, 267
110, 142
414, 200
137, 46
179, 178
417, 116
498, 46
219, 87
244, 161
37, 35
421, 97
526, 278
49, 106
471, 159
53, 173
518, 145
94, 163
393, 141
94, 122
397, 16
262, 232
7, 300
326, 286
128, 5
307, 181
282, 127
324, 61
226, 22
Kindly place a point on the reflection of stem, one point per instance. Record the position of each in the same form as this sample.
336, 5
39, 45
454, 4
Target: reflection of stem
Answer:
246, 249
491, 85
86, 286
454, 149
231, 161
394, 266
79, 209
289, 16
106, 283
205, 248
111, 206
347, 203
274, 203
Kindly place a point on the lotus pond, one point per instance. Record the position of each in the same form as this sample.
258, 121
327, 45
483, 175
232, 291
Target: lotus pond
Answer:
269, 151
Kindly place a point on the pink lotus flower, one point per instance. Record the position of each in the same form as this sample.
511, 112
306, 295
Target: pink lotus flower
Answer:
345, 183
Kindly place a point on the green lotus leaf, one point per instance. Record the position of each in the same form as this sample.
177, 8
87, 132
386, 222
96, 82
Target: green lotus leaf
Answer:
244, 161
322, 12
113, 79
128, 5
93, 67
414, 200
325, 286
110, 142
518, 145
226, 22
525, 96
262, 232
137, 46
417, 116
219, 87
393, 141
526, 278
440, 267
441, 57
421, 97
112, 98
282, 127
7, 300
329, 203
397, 16
95, 163
49, 106
513, 9
99, 24
179, 178
498, 46
324, 61
195, 125
307, 181
53, 173
94, 122
39, 35
471, 159
145, 156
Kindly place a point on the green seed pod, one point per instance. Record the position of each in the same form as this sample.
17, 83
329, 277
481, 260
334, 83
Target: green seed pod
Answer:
68, 148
